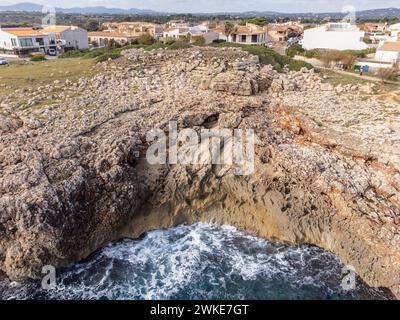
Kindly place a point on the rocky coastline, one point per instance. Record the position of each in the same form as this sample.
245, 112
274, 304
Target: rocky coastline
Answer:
74, 175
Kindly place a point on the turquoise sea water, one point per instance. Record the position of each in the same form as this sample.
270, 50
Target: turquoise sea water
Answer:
199, 261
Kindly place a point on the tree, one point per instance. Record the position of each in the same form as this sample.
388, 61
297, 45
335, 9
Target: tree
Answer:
260, 21
145, 39
92, 25
348, 60
111, 44
295, 49
229, 28
327, 57
388, 74
198, 40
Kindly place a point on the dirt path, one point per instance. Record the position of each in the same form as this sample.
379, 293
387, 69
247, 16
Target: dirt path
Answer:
356, 75
318, 65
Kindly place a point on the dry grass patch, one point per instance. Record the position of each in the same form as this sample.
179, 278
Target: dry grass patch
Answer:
35, 74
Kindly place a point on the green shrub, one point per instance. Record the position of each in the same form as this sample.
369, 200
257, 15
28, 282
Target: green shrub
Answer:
269, 56
198, 40
96, 53
360, 53
112, 44
179, 45
313, 53
73, 54
260, 21
109, 55
219, 41
169, 40
297, 65
145, 39
294, 50
38, 57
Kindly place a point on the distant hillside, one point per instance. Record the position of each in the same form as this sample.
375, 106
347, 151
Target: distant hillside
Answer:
365, 14
25, 6
32, 7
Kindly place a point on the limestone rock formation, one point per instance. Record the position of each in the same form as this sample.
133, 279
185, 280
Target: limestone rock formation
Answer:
73, 172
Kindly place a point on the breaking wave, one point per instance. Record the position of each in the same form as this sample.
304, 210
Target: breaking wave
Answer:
200, 261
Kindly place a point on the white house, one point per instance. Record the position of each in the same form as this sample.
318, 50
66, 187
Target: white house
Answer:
23, 41
338, 36
394, 27
176, 33
203, 31
388, 52
249, 34
101, 38
176, 24
68, 37
221, 33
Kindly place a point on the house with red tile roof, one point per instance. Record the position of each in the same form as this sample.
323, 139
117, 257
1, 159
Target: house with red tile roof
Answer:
389, 51
101, 38
249, 34
23, 41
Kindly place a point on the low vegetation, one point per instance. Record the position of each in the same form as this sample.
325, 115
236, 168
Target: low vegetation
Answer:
269, 56
108, 56
389, 74
328, 57
28, 74
297, 49
103, 54
260, 21
38, 57
335, 79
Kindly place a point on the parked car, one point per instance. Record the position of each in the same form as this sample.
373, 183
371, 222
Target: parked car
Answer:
3, 62
52, 52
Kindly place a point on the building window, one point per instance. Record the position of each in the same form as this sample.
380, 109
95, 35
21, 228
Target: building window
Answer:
26, 42
40, 41
244, 37
254, 38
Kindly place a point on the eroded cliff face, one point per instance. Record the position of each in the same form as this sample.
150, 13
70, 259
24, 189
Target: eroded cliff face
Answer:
74, 174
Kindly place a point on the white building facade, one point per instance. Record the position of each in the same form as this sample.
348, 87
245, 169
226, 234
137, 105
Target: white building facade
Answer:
249, 34
203, 31
176, 33
68, 37
388, 52
337, 36
23, 41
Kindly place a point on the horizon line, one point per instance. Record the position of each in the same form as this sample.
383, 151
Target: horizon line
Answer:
197, 12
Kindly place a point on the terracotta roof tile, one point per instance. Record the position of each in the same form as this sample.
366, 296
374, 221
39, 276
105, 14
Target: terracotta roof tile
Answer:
390, 46
22, 32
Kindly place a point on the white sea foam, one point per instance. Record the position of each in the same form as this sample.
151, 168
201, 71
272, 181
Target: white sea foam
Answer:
199, 261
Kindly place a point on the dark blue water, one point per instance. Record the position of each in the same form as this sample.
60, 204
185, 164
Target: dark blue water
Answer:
200, 261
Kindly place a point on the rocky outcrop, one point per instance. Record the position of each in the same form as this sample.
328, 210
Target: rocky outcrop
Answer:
74, 174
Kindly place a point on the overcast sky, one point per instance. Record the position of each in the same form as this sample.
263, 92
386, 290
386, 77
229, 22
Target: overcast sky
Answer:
223, 5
